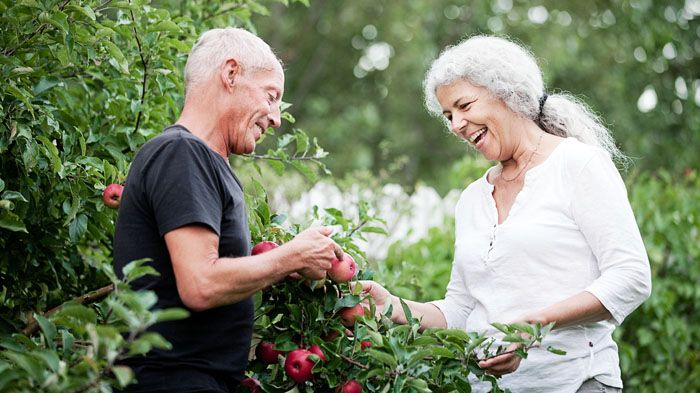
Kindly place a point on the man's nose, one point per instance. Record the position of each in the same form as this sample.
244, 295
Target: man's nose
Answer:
274, 117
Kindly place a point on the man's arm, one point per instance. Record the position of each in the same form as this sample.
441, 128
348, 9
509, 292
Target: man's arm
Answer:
204, 280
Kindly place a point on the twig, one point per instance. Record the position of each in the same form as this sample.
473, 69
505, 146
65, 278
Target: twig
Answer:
260, 156
219, 13
352, 361
506, 353
144, 62
89, 297
360, 225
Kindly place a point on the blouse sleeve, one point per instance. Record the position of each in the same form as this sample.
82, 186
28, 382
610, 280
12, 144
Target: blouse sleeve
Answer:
604, 215
458, 303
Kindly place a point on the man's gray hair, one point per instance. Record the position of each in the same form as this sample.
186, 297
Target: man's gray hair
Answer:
511, 73
216, 46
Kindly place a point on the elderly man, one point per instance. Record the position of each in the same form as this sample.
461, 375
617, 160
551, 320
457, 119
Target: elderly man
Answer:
184, 208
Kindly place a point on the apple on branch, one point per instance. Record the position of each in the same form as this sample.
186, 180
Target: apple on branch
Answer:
352, 386
342, 270
349, 314
112, 195
298, 366
266, 352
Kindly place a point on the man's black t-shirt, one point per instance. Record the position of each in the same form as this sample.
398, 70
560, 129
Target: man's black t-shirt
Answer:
177, 180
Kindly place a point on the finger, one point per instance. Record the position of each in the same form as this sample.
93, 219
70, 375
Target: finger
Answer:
338, 252
325, 231
295, 276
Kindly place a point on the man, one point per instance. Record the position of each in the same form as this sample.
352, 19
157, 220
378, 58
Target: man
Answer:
184, 208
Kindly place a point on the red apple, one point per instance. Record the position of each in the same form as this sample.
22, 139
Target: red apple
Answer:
316, 350
352, 386
348, 314
298, 365
364, 344
342, 270
252, 385
112, 195
263, 247
266, 352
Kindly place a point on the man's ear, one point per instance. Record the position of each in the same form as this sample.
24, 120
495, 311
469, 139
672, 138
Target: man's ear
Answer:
230, 72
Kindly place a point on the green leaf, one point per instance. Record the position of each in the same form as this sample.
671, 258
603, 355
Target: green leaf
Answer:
382, 357
117, 55
171, 314
371, 229
556, 351
28, 363
165, 25
48, 328
14, 196
305, 170
59, 20
12, 222
77, 228
123, 374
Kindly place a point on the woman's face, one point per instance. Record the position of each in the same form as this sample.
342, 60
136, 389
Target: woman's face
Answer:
478, 117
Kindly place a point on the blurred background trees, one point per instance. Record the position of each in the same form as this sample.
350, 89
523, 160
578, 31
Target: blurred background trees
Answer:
354, 74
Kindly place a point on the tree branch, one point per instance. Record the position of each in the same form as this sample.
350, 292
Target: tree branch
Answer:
144, 62
87, 298
354, 362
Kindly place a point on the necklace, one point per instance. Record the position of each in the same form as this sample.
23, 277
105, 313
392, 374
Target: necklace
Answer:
539, 141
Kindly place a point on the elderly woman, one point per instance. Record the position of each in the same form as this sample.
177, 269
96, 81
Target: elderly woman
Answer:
546, 235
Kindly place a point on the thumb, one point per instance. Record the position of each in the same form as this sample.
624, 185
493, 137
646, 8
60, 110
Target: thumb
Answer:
325, 231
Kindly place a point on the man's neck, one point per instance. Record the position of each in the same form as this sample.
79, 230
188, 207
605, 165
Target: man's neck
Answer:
200, 119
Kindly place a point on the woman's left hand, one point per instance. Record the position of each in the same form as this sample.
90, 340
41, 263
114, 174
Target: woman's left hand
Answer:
502, 364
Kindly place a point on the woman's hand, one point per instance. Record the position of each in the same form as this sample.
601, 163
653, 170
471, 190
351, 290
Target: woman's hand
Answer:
381, 296
502, 364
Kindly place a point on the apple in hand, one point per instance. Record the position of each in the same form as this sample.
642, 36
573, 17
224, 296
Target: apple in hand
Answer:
266, 352
316, 350
298, 366
348, 314
263, 247
112, 195
352, 386
342, 270
252, 385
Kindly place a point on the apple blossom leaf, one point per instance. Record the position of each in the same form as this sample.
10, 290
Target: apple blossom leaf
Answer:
347, 301
77, 228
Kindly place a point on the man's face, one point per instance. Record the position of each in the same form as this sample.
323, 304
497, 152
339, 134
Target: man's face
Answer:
254, 106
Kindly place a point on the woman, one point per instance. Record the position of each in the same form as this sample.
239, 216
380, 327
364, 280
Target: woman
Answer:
547, 235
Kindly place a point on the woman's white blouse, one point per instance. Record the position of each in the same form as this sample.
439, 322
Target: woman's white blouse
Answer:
570, 229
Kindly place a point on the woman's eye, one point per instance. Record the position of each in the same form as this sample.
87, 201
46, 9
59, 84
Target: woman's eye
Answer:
463, 106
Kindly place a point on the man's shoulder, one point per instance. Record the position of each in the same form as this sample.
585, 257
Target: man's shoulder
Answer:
173, 138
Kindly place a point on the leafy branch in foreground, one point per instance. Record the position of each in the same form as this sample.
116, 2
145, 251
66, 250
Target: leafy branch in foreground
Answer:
78, 346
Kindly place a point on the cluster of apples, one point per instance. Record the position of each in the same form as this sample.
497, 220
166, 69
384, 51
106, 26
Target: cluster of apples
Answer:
297, 364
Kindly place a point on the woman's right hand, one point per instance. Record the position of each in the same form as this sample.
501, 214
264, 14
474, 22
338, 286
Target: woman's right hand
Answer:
381, 296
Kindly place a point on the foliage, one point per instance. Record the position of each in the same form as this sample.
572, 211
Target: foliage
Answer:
79, 347
383, 356
666, 328
355, 71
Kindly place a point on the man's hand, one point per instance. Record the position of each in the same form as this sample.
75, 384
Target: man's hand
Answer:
316, 251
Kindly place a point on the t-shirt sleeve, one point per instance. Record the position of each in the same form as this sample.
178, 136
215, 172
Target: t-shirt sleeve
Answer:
181, 187
604, 215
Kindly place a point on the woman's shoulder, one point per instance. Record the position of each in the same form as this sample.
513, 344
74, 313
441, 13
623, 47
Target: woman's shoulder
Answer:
476, 189
577, 155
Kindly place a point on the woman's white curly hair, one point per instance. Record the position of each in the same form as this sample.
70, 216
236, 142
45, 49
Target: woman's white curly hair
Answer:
511, 73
